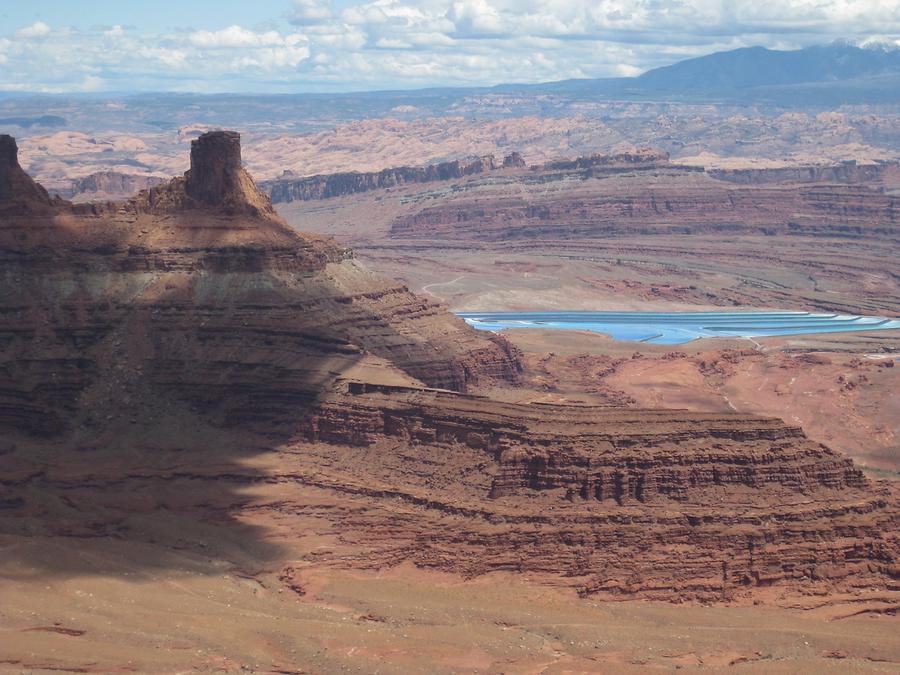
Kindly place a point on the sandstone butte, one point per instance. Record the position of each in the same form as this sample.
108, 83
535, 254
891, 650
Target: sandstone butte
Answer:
183, 361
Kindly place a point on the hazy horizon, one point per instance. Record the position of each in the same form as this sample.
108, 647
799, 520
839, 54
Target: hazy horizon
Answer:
316, 46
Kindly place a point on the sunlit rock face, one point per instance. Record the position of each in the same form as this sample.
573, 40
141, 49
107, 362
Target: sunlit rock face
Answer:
128, 327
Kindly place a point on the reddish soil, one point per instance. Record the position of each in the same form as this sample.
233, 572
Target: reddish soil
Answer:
219, 436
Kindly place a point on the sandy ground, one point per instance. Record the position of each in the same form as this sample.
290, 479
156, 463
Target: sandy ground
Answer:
205, 615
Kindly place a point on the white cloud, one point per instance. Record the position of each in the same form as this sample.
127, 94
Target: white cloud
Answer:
310, 12
91, 83
172, 58
267, 50
234, 36
477, 17
36, 30
387, 43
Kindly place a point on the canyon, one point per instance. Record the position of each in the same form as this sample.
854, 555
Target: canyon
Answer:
147, 137
196, 394
640, 236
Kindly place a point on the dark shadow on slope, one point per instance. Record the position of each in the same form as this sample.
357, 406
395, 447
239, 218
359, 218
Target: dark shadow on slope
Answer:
157, 434
144, 393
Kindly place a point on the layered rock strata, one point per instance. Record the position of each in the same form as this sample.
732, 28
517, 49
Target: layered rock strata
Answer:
288, 189
198, 289
640, 158
184, 360
657, 503
710, 208
846, 172
105, 185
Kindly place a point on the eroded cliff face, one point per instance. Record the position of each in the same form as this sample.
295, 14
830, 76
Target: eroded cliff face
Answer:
18, 192
199, 291
656, 503
185, 357
632, 207
846, 172
288, 189
640, 158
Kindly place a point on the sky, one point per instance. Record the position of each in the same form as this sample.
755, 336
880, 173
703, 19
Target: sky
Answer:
352, 45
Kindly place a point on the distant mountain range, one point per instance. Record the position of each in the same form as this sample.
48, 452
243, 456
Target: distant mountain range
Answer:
824, 74
820, 77
761, 67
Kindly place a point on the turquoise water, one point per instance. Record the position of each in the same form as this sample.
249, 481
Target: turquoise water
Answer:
673, 328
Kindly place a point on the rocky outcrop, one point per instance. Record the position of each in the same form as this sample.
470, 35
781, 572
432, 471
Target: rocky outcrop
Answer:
704, 206
215, 173
846, 172
640, 158
18, 192
106, 185
219, 305
166, 357
514, 161
339, 184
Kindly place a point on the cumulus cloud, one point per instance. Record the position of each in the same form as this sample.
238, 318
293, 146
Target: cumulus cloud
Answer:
477, 17
356, 44
36, 30
234, 36
307, 12
267, 50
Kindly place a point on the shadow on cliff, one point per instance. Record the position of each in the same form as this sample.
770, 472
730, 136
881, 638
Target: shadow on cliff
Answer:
182, 465
153, 428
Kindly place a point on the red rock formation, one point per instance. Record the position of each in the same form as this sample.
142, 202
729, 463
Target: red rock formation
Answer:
641, 158
602, 210
18, 192
657, 503
106, 185
129, 328
221, 305
288, 189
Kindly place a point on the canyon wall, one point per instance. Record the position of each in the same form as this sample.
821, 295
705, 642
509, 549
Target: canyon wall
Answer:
288, 189
846, 172
629, 207
199, 290
658, 503
186, 355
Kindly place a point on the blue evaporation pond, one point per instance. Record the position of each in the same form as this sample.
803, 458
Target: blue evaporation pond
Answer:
675, 328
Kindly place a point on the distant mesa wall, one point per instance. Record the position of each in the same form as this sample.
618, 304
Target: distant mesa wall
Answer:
846, 172
631, 208
106, 185
287, 189
642, 157
339, 184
